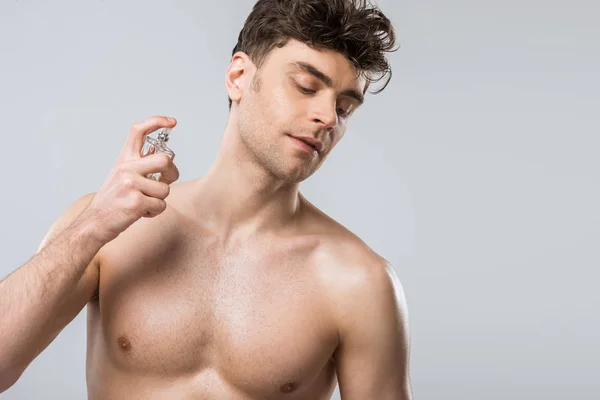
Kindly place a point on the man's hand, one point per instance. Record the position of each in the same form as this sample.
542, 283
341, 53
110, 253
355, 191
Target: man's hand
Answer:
127, 195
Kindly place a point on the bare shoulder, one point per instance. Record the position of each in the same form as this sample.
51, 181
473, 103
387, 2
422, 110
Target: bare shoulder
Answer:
350, 267
66, 218
359, 276
158, 234
360, 282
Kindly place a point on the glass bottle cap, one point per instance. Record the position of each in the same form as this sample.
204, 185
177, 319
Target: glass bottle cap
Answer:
163, 134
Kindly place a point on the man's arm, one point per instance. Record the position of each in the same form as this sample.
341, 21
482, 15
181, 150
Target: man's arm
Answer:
372, 358
40, 298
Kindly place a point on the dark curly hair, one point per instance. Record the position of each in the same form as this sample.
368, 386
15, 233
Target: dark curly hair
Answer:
355, 28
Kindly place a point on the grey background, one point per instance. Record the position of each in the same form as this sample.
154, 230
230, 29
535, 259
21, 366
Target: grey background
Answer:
475, 173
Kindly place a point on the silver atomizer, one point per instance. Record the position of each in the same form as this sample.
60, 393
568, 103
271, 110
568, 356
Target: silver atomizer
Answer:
156, 143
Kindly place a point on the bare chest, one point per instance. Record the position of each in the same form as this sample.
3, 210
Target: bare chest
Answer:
256, 316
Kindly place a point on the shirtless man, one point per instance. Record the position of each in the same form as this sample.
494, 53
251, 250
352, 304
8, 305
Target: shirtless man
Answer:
233, 285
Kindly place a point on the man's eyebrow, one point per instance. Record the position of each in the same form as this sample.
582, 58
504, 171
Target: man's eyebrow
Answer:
311, 69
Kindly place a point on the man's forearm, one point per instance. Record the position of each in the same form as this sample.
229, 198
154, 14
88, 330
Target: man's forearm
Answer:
31, 296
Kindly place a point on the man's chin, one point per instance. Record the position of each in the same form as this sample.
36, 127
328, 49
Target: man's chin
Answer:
295, 174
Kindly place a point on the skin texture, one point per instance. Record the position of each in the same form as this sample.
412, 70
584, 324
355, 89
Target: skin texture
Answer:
241, 288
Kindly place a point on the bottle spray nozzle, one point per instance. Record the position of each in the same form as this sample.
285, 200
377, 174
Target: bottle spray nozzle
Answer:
163, 134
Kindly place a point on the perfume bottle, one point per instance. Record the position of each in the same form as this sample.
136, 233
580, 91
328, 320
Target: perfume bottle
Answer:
155, 143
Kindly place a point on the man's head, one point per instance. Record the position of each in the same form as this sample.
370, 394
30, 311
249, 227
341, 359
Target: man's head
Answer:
299, 70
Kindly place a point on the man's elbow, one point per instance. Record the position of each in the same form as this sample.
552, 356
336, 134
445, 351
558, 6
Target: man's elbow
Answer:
8, 377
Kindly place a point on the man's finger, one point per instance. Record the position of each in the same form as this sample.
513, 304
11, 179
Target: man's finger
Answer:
139, 130
170, 174
152, 164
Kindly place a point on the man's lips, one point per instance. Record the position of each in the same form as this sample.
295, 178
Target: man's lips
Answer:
308, 142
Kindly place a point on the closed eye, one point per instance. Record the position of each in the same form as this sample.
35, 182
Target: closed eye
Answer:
342, 113
304, 90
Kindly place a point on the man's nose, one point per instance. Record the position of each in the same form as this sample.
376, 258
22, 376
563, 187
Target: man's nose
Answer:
325, 114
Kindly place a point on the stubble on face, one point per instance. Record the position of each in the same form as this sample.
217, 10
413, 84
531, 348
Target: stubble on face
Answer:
256, 131
263, 128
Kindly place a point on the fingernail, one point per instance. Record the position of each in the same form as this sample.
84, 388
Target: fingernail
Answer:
171, 119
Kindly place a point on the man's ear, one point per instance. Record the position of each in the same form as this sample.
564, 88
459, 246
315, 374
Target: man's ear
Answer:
236, 77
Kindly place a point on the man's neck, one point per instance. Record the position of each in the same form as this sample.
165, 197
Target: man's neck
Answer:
239, 195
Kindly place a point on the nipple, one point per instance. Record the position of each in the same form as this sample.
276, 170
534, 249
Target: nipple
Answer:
124, 343
289, 387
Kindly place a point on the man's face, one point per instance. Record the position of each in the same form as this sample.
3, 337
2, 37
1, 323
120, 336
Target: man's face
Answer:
299, 94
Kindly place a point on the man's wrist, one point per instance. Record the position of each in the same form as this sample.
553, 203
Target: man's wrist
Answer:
87, 230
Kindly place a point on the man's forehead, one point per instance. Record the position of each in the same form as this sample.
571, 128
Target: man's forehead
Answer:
332, 73
326, 60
